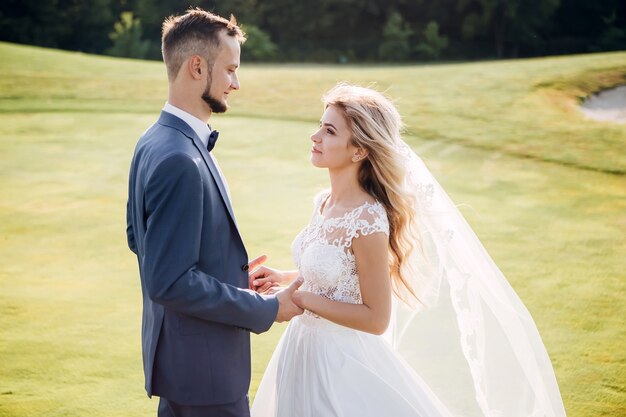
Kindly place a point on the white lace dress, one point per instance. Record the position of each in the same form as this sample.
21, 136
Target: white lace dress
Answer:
322, 369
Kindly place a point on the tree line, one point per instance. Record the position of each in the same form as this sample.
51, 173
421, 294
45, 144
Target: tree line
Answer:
333, 30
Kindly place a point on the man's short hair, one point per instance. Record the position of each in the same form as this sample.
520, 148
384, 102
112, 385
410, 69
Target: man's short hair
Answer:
194, 33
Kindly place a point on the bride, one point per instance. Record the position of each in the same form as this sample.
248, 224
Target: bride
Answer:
405, 312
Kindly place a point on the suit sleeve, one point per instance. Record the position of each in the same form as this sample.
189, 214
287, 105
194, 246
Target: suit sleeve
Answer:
130, 235
174, 205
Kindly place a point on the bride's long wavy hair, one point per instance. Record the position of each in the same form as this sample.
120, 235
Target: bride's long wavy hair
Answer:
376, 126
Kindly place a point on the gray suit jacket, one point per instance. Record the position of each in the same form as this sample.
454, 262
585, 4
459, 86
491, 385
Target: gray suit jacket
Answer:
197, 311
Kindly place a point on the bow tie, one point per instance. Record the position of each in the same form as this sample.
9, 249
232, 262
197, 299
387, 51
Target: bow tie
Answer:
212, 139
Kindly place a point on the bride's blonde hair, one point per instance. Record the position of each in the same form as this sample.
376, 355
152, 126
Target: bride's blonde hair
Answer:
376, 127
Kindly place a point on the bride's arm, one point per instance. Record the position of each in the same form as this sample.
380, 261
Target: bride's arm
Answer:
372, 262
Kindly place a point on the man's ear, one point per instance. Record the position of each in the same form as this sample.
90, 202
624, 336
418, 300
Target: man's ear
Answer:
196, 67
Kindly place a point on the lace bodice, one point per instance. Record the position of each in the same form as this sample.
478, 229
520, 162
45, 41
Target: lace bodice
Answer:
322, 250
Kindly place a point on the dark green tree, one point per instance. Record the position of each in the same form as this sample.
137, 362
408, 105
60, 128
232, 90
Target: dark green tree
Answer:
504, 20
395, 44
432, 43
325, 30
68, 24
258, 46
90, 23
33, 22
585, 26
614, 36
152, 13
127, 38
339, 30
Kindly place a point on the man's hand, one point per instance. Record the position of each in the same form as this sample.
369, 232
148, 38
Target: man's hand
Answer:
286, 307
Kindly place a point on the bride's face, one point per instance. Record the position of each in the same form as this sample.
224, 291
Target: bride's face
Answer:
332, 147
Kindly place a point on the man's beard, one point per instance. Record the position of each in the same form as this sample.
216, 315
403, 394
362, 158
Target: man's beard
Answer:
215, 105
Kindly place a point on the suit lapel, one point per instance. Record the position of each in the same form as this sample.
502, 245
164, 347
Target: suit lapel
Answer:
216, 174
170, 120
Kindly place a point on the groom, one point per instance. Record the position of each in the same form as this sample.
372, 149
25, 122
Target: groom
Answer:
197, 310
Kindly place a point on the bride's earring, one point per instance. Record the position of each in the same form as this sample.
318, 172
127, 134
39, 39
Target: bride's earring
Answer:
359, 155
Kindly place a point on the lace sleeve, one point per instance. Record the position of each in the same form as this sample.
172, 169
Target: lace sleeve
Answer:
373, 219
319, 199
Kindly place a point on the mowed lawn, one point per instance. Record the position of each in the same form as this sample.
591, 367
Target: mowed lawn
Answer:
544, 188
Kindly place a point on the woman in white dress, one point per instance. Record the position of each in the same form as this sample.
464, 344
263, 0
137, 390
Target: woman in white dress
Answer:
405, 313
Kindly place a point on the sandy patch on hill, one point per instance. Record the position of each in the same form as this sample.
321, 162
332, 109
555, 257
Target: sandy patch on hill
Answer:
608, 105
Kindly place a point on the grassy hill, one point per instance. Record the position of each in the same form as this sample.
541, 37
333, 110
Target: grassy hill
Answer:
543, 187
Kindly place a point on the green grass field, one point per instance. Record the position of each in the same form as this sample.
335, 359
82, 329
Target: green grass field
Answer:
544, 188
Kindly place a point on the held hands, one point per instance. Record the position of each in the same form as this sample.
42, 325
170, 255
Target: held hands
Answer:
264, 278
269, 281
299, 297
287, 309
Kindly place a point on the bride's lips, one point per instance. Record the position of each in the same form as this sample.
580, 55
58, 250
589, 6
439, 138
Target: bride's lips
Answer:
313, 150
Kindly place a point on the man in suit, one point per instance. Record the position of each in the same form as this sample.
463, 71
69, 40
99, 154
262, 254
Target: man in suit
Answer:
197, 309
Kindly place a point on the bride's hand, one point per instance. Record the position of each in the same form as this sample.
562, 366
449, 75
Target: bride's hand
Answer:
274, 289
299, 298
264, 278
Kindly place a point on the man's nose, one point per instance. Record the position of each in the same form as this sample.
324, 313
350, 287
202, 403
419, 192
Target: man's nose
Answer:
235, 84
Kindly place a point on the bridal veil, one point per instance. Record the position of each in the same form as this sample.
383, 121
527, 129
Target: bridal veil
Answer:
470, 337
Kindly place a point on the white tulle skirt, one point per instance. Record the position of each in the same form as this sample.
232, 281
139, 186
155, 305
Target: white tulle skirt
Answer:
321, 369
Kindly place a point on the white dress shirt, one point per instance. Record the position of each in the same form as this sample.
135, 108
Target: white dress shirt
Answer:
202, 130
